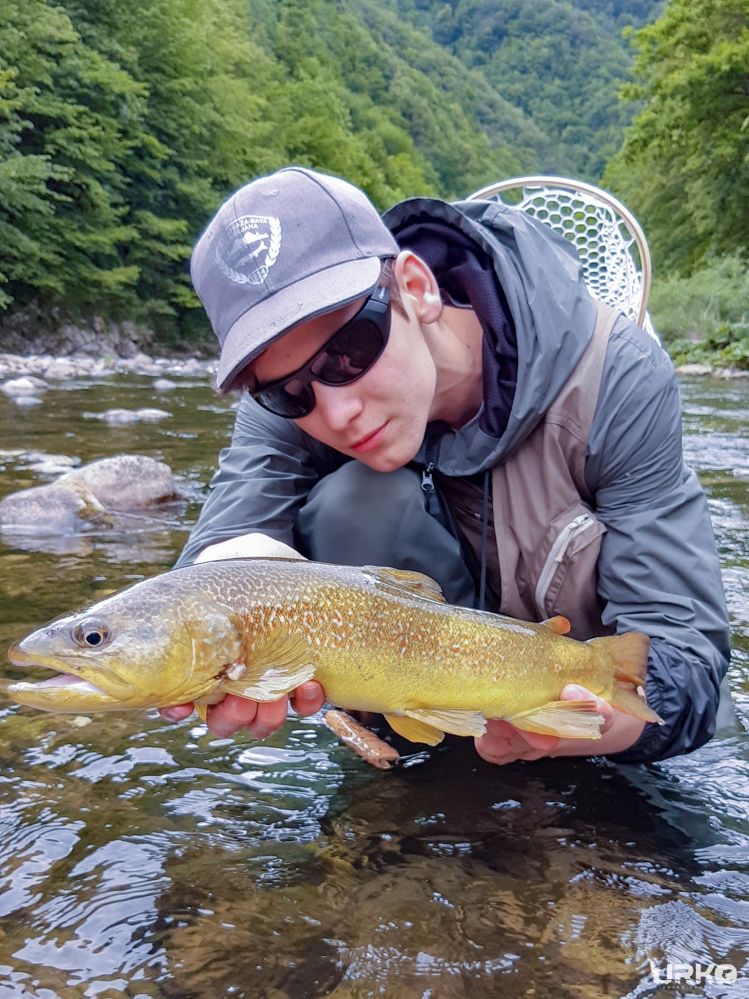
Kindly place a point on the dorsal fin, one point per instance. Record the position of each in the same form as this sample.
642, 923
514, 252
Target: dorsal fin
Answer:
398, 580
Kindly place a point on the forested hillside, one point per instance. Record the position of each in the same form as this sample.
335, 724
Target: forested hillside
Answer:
122, 126
561, 63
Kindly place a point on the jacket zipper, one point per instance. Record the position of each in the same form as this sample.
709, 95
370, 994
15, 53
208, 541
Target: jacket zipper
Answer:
556, 555
427, 482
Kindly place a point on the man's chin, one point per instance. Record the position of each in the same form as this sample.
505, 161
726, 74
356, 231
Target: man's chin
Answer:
388, 461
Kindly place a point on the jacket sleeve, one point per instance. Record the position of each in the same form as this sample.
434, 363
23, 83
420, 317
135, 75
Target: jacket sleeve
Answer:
263, 479
658, 567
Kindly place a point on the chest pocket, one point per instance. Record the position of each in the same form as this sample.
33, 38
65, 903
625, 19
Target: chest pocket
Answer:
567, 577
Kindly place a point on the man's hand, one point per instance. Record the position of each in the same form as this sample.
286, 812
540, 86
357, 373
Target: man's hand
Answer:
260, 719
503, 743
254, 545
235, 713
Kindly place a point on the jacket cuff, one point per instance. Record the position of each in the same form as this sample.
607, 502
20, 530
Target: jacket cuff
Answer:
685, 692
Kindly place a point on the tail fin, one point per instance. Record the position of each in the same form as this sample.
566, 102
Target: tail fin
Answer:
629, 655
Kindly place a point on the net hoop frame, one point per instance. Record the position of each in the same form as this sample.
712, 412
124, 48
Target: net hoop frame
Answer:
546, 187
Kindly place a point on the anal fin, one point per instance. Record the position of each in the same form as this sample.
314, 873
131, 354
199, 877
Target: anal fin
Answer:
566, 719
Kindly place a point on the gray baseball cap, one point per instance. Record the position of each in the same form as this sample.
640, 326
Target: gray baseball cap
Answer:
280, 250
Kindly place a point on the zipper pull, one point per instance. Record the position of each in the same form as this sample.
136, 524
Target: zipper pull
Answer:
427, 487
431, 500
427, 482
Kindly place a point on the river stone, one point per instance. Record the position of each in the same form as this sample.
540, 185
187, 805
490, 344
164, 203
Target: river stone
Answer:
164, 384
50, 464
61, 368
130, 415
49, 509
27, 385
152, 414
125, 481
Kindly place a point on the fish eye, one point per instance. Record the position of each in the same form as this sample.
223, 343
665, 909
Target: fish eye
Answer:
91, 634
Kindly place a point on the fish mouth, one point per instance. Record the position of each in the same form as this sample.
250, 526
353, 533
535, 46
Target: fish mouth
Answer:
66, 691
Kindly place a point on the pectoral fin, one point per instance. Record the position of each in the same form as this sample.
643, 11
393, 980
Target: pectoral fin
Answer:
277, 667
566, 719
414, 730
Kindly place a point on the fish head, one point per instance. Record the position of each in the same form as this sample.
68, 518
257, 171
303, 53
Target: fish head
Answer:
132, 650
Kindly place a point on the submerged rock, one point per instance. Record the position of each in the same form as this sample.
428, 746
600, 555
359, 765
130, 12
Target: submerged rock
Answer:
130, 415
125, 481
50, 464
28, 385
26, 400
53, 509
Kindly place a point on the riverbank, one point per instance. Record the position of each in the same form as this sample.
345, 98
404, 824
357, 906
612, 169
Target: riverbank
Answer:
708, 371
51, 367
55, 368
38, 332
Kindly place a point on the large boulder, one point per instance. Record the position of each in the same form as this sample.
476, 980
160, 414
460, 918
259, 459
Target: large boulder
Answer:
125, 481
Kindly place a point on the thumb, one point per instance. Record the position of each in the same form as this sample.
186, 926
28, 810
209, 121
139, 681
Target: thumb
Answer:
576, 692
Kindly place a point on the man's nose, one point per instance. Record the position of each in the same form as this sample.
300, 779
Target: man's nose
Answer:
337, 405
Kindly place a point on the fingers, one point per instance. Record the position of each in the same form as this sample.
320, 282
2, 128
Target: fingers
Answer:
177, 712
308, 698
503, 743
260, 719
270, 716
232, 714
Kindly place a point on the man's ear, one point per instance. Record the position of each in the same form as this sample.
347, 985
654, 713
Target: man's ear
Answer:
418, 286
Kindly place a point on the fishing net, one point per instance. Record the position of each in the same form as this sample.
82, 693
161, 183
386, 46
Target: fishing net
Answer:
611, 245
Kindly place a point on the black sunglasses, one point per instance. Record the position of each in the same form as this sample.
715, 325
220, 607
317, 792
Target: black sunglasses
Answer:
348, 354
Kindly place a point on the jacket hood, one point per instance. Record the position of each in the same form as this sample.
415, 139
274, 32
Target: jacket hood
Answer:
539, 279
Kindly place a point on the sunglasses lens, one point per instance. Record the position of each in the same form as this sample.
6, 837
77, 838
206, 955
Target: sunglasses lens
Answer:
346, 356
292, 399
349, 354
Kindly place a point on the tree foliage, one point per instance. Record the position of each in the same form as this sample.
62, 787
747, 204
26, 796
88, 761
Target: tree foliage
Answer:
123, 125
685, 162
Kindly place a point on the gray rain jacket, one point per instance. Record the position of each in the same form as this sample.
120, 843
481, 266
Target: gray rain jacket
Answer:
658, 568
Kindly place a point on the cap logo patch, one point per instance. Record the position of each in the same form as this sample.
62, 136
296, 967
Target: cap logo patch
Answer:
248, 248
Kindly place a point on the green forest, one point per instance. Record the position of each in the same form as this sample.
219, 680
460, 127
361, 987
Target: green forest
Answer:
124, 125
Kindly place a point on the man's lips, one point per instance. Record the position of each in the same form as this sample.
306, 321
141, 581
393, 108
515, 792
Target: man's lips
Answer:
370, 440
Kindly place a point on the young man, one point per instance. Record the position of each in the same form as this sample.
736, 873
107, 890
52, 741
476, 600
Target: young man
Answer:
436, 390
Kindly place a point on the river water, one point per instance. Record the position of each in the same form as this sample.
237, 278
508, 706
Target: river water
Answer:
150, 859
